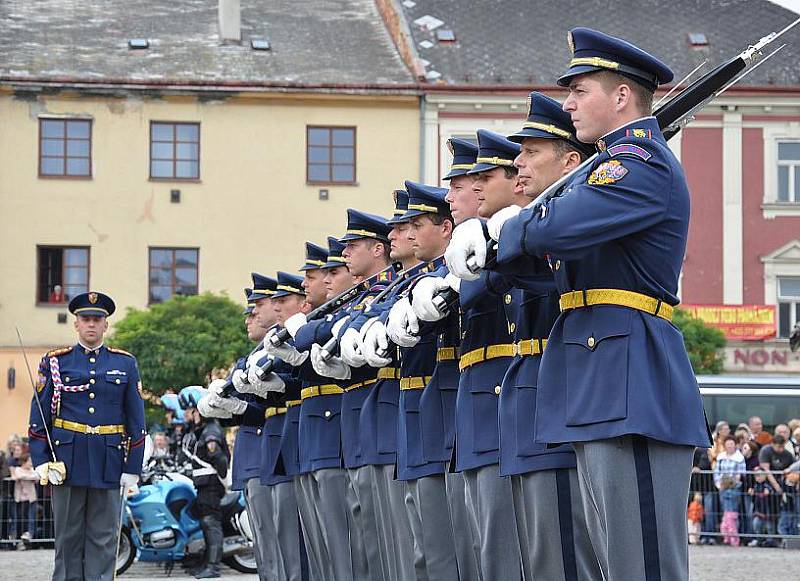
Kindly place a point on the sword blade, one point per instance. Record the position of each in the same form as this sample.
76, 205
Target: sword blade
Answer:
35, 393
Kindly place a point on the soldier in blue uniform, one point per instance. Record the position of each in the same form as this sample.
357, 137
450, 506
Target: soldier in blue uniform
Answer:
423, 443
615, 378
91, 398
247, 410
485, 352
377, 429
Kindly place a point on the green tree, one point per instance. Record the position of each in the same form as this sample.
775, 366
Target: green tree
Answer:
179, 342
704, 343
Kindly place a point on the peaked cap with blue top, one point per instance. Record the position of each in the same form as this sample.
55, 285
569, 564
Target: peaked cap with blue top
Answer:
495, 151
547, 120
593, 50
335, 249
464, 154
289, 284
263, 287
316, 256
92, 304
400, 207
424, 199
363, 225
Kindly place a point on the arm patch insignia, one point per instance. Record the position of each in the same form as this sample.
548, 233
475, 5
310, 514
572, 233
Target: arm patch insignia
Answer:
608, 172
631, 149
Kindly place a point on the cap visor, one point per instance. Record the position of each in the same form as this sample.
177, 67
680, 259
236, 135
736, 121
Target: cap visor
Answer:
563, 80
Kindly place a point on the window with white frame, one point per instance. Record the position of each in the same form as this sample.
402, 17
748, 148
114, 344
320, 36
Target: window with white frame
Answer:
788, 172
788, 304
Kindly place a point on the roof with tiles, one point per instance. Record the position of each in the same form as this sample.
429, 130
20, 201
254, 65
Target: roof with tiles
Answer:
313, 42
507, 42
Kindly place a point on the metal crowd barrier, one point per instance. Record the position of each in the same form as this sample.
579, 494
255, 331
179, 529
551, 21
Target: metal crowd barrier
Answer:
740, 510
16, 519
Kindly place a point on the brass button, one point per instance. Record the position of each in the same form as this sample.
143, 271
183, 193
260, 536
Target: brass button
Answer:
91, 395
327, 413
508, 299
590, 342
497, 389
91, 381
558, 264
512, 327
57, 442
117, 382
91, 359
66, 378
258, 432
91, 410
91, 372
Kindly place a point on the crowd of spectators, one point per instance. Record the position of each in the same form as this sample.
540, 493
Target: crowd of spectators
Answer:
744, 488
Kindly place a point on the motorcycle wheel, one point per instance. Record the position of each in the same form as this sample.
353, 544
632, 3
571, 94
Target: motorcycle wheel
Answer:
126, 552
244, 562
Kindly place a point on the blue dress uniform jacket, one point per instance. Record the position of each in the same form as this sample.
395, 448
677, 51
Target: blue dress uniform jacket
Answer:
94, 411
320, 432
486, 352
531, 314
611, 370
247, 446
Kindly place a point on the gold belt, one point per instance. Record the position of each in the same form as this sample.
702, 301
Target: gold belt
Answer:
531, 347
620, 298
360, 384
389, 373
315, 390
274, 412
293, 402
485, 353
414, 382
87, 429
446, 354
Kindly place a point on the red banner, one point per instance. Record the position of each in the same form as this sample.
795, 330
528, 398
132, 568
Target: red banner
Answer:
738, 322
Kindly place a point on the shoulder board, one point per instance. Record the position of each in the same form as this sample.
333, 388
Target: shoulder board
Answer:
123, 352
59, 351
629, 149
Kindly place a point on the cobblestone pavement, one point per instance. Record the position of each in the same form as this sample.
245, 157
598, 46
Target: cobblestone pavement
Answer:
706, 564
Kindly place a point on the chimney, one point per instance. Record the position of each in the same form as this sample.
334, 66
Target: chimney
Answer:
230, 21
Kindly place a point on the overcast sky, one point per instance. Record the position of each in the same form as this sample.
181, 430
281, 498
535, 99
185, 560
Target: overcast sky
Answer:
790, 4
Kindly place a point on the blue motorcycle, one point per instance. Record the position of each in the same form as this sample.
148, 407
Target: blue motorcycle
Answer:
159, 526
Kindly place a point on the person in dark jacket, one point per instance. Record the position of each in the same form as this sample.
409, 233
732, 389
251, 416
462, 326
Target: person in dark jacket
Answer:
204, 443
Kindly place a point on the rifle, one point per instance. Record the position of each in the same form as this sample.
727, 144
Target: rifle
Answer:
674, 115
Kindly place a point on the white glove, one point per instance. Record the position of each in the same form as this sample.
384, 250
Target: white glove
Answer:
337, 326
375, 342
130, 483
293, 324
47, 475
239, 379
424, 291
403, 325
286, 352
273, 383
252, 375
256, 356
208, 411
495, 223
468, 240
351, 349
333, 367
233, 405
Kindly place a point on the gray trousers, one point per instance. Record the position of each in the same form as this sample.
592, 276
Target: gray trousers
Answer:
551, 525
634, 495
363, 510
429, 517
86, 522
286, 521
492, 509
318, 560
259, 509
327, 491
396, 545
468, 549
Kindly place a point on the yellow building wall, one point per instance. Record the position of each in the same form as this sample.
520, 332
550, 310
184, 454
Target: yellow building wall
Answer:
250, 210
